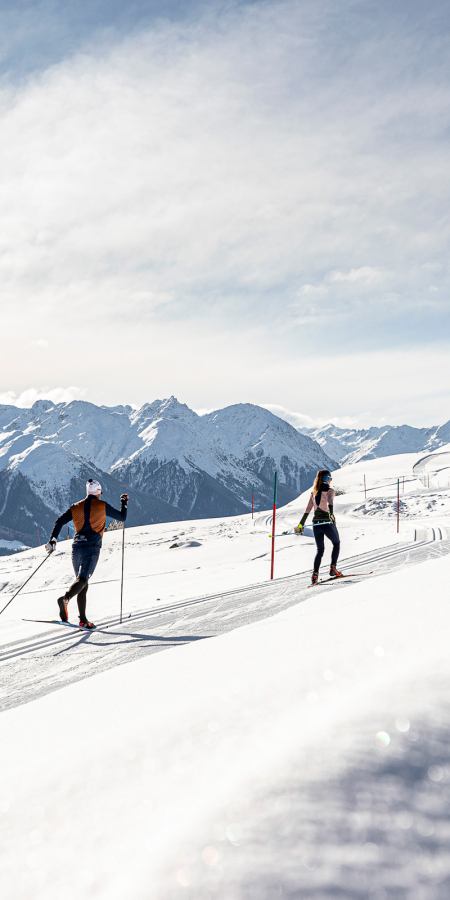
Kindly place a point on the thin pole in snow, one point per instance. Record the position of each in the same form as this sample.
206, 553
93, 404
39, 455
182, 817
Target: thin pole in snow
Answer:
121, 581
365, 489
398, 505
273, 522
253, 500
403, 484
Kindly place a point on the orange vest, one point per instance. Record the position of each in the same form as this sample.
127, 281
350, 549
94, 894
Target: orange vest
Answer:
97, 517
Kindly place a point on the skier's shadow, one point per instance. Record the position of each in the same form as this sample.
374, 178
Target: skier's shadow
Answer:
132, 639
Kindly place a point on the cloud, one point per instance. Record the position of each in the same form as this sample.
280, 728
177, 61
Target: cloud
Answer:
170, 168
240, 178
300, 420
57, 395
365, 274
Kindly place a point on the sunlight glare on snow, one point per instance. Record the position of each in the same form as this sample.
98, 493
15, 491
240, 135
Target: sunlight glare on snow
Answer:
210, 856
234, 833
405, 819
183, 878
425, 827
402, 724
382, 739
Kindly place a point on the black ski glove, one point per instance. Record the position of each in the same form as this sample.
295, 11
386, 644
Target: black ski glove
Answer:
124, 498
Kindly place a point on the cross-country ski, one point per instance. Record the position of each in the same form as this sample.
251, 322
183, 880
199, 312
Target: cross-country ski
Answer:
59, 622
341, 577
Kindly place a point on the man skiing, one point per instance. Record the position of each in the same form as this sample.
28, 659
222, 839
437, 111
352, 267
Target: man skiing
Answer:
89, 518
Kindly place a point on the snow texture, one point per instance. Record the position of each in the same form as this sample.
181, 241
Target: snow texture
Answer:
289, 742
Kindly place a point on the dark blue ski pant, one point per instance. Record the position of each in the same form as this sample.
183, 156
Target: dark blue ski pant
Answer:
320, 533
84, 559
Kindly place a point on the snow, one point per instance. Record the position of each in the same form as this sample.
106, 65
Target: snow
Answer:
51, 444
290, 741
350, 445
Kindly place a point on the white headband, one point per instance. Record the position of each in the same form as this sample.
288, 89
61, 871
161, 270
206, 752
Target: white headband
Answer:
93, 487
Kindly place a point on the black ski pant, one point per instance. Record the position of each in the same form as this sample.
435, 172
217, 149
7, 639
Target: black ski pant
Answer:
320, 533
84, 561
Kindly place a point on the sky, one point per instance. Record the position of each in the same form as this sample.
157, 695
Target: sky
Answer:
228, 202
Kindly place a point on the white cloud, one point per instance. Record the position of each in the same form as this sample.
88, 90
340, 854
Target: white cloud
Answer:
313, 289
29, 396
300, 420
365, 274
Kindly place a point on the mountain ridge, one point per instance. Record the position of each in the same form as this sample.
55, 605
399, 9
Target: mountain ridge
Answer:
351, 445
172, 461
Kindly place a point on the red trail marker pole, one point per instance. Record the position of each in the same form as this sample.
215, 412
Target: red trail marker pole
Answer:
273, 522
121, 580
398, 505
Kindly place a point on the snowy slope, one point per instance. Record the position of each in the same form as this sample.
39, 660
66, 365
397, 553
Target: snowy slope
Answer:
396, 440
304, 753
266, 443
352, 445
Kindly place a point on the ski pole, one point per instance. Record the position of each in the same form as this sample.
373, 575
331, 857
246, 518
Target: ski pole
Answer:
121, 582
26, 582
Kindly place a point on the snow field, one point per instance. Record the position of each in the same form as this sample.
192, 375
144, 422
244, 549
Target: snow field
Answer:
125, 770
305, 755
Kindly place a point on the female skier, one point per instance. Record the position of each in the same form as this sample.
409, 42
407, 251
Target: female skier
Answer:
89, 519
322, 498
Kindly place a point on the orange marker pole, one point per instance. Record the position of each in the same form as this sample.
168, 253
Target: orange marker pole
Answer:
273, 523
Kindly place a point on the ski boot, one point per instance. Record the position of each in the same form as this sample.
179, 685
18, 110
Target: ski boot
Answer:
334, 572
85, 624
63, 604
314, 577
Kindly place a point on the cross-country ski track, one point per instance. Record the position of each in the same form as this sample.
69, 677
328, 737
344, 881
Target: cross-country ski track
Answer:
54, 659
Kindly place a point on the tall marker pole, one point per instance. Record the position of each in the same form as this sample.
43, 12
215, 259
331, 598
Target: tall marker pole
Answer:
365, 491
398, 505
121, 582
273, 522
253, 500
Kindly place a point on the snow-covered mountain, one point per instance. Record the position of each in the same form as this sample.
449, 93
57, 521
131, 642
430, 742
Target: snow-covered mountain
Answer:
350, 445
173, 462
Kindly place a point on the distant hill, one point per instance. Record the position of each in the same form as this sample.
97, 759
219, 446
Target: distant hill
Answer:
349, 445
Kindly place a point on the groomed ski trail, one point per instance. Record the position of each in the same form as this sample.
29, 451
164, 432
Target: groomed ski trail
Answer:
55, 659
